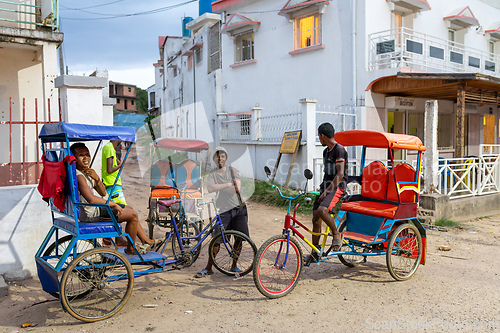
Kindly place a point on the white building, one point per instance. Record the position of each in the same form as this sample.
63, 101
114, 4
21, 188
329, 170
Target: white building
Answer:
366, 64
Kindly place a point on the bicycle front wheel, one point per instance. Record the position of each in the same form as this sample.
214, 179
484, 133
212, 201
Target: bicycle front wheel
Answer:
109, 277
186, 229
278, 265
232, 253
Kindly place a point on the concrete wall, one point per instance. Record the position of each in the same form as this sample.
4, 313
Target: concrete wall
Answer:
24, 221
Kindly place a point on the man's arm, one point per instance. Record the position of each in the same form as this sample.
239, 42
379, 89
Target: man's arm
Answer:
109, 165
87, 193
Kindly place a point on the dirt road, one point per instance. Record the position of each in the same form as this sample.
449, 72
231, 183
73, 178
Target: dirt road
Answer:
458, 289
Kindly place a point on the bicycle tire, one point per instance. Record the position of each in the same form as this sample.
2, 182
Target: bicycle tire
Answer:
82, 246
407, 244
347, 259
227, 259
188, 229
96, 269
152, 220
270, 278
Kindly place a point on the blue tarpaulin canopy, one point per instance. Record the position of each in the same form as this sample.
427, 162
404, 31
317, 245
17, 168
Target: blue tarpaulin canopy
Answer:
129, 119
58, 132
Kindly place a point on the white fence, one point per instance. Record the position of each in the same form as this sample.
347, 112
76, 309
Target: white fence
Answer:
457, 177
236, 127
274, 125
404, 47
462, 177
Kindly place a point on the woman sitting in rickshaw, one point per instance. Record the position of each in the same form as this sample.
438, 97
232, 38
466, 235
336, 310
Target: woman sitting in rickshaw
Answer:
92, 190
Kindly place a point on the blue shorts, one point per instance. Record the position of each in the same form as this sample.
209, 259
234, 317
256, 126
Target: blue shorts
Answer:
117, 195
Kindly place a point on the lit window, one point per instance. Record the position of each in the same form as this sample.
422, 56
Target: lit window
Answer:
243, 47
307, 31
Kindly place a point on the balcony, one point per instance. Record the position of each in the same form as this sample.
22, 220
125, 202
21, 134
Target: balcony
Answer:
406, 48
30, 14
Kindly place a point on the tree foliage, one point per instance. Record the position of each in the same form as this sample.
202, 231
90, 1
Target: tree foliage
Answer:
142, 101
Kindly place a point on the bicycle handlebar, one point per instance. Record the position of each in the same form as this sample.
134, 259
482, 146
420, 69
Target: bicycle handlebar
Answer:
291, 198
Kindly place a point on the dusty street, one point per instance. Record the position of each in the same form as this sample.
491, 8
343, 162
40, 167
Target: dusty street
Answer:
458, 289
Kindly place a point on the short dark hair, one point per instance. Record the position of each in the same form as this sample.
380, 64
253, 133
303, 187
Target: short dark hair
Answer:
327, 130
77, 145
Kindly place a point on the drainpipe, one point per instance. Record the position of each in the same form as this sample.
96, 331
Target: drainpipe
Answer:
355, 66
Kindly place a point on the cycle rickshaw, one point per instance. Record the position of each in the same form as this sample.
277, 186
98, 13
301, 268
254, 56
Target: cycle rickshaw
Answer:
94, 282
382, 220
174, 175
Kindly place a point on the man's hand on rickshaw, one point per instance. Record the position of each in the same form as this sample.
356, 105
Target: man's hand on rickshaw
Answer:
117, 208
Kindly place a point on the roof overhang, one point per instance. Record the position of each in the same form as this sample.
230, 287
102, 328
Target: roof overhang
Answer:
409, 6
187, 53
461, 19
238, 23
494, 33
205, 19
479, 88
295, 6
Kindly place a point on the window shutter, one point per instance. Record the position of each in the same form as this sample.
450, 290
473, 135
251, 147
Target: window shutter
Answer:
214, 48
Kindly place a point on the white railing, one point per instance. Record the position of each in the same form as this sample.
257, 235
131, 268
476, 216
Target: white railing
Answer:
236, 128
404, 47
273, 126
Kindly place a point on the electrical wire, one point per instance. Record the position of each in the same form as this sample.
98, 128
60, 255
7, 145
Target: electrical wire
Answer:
148, 12
101, 5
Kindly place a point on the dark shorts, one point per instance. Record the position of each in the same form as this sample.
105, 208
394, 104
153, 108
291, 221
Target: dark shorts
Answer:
104, 212
236, 219
333, 199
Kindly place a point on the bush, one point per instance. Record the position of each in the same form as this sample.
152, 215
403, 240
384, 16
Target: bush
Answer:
263, 193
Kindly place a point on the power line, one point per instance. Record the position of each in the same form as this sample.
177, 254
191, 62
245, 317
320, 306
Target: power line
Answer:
101, 5
148, 12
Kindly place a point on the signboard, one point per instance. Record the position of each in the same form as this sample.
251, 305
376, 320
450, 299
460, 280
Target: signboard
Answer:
400, 103
290, 142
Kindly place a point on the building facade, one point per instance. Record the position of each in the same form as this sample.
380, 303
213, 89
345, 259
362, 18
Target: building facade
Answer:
125, 94
366, 64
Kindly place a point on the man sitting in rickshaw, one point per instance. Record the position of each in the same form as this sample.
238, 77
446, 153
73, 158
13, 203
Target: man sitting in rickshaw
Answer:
93, 191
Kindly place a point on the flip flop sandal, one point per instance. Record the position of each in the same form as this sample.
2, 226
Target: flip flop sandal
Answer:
144, 248
337, 242
203, 273
158, 242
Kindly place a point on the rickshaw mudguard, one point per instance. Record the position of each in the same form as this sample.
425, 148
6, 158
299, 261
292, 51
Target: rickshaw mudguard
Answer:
423, 234
47, 276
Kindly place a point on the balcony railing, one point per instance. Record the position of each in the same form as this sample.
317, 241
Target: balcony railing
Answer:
404, 47
29, 14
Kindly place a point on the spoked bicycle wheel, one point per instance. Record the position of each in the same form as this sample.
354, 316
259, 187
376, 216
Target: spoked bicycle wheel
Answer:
109, 277
232, 253
186, 229
350, 260
81, 246
273, 276
404, 252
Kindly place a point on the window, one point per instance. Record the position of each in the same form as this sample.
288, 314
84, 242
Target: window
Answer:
198, 55
132, 102
492, 50
175, 70
214, 62
444, 132
307, 31
117, 101
243, 47
129, 89
451, 37
244, 124
152, 99
126, 104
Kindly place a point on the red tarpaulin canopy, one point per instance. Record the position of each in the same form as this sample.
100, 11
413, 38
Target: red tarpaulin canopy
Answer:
189, 145
376, 139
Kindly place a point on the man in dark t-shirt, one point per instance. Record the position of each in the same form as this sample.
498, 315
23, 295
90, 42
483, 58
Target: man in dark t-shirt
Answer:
334, 182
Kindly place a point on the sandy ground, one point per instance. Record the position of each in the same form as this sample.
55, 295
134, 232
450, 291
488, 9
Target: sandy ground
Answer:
458, 289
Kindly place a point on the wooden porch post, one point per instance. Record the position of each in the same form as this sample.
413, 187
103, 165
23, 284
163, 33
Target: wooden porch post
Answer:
460, 142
